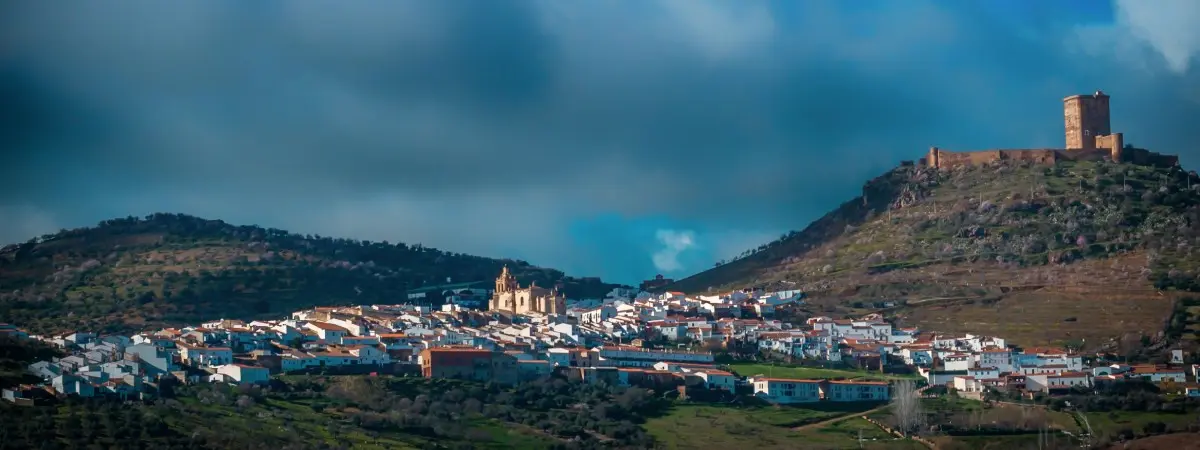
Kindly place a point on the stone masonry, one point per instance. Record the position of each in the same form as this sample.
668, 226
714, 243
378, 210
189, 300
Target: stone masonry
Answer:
1088, 135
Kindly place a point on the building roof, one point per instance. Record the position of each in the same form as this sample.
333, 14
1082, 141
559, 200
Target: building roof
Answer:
859, 382
329, 327
457, 349
787, 380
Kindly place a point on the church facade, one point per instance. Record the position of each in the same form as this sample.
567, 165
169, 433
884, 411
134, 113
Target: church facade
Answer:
511, 297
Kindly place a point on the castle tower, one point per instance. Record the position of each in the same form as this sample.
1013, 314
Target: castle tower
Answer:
1085, 117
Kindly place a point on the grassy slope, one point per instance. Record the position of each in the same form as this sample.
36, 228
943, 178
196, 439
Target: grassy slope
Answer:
700, 426
1178, 441
270, 423
1036, 238
169, 269
344, 412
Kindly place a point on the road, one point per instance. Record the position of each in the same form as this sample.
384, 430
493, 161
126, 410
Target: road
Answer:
851, 415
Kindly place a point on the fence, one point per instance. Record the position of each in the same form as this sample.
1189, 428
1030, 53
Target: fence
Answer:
898, 434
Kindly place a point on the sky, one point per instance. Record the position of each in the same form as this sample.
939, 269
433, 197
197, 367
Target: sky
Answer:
618, 139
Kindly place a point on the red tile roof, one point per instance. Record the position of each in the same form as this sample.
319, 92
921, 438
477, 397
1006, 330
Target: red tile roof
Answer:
328, 327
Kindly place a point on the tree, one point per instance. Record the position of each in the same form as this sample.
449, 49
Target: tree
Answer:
906, 407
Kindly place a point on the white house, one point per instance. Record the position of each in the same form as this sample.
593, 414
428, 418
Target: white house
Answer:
1160, 374
368, 354
1040, 370
243, 374
627, 356
1064, 380
297, 361
786, 390
966, 383
330, 333
717, 379
201, 355
855, 391
598, 314
73, 385
917, 355
785, 342
1001, 359
352, 328
287, 334
958, 362
984, 373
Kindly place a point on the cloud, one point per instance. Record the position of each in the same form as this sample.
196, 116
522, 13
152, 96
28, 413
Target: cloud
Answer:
721, 30
503, 129
673, 243
1169, 26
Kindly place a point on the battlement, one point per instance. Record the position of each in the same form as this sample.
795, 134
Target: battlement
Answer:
1088, 138
943, 159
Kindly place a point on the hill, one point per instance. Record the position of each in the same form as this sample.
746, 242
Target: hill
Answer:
171, 269
1044, 254
318, 412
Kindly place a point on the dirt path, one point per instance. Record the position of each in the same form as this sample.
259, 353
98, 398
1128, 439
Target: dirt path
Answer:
838, 419
822, 423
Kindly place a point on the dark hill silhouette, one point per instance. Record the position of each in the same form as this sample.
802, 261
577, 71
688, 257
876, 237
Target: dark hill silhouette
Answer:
170, 269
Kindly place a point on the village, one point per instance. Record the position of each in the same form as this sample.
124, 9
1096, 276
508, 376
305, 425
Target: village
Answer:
629, 338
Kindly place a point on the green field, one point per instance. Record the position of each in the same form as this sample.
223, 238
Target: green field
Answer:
1112, 423
704, 426
751, 369
956, 409
1012, 442
282, 421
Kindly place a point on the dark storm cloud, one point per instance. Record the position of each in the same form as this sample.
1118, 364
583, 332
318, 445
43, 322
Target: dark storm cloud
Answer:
503, 128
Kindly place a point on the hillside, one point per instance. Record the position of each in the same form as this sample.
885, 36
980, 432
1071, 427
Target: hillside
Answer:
1073, 250
171, 269
317, 412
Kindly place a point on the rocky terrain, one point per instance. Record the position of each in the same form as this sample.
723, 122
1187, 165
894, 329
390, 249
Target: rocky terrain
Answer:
1076, 248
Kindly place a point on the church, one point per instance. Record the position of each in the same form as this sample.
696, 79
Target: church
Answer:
511, 297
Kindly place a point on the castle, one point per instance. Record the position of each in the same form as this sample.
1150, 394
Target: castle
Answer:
509, 296
1089, 137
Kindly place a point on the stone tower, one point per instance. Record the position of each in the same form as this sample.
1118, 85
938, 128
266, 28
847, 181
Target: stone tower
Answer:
506, 282
1085, 117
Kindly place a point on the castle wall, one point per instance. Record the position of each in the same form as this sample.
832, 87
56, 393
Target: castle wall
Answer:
1095, 154
1113, 143
943, 159
1143, 157
1088, 138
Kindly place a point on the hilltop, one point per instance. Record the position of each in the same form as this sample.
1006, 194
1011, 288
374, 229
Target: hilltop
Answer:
1046, 253
171, 269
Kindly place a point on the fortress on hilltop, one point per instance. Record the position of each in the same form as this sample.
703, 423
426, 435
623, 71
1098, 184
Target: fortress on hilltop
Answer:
511, 297
1089, 137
